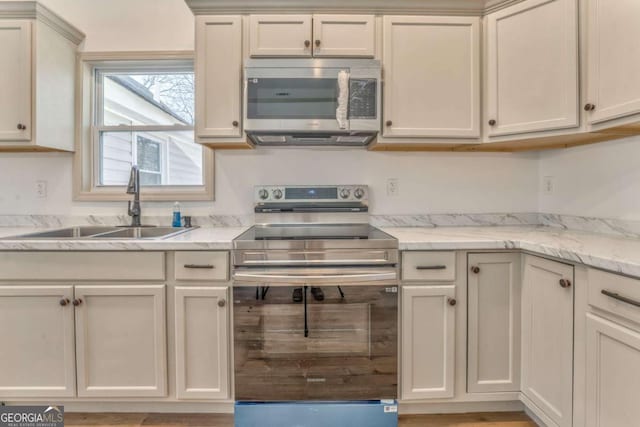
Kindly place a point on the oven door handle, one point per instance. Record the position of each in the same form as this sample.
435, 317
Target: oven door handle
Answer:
286, 278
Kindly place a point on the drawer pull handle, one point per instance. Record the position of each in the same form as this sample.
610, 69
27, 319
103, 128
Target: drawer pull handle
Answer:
203, 266
77, 302
475, 269
431, 267
222, 303
64, 301
565, 283
620, 298
452, 302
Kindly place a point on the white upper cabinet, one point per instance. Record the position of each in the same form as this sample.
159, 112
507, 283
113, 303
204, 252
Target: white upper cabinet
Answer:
15, 81
344, 35
218, 74
547, 340
280, 35
613, 53
532, 67
312, 35
37, 79
432, 76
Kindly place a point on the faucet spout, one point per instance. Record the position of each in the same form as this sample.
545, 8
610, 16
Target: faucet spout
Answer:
134, 209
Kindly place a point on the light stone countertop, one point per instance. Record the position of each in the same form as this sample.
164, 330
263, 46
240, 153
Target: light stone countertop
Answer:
617, 254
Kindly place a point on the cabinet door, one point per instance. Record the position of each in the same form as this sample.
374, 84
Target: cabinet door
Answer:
547, 338
344, 35
428, 341
37, 348
218, 76
494, 287
532, 67
613, 374
613, 59
15, 80
121, 340
432, 76
280, 35
202, 343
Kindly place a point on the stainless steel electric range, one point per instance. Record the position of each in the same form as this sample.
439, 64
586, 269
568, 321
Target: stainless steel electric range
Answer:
315, 291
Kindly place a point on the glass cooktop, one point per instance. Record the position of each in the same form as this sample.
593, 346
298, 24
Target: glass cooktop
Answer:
313, 232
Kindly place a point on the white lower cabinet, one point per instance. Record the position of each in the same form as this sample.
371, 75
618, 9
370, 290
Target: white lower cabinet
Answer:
202, 323
547, 340
37, 350
121, 340
493, 356
613, 374
428, 341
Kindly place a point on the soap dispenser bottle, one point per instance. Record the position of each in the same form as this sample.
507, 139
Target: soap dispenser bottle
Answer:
177, 220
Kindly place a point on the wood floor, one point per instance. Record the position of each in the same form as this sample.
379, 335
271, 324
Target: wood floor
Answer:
497, 419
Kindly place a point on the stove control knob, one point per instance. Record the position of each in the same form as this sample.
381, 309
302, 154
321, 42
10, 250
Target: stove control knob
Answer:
263, 194
359, 193
277, 193
345, 193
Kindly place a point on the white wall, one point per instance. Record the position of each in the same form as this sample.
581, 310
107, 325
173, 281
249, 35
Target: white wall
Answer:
601, 180
428, 182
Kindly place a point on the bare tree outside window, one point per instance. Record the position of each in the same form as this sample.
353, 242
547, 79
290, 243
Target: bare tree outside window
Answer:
176, 91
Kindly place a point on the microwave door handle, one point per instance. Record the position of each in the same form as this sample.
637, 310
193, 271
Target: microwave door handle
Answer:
343, 99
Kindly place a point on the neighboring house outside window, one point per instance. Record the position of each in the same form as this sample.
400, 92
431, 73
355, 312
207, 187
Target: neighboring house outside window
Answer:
144, 115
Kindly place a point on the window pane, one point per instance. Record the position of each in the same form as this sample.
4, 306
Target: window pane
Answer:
147, 99
164, 158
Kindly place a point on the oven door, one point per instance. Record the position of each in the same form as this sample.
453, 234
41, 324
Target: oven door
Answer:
343, 347
299, 99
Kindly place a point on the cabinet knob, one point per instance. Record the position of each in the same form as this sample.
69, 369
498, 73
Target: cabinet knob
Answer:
77, 302
565, 283
235, 123
64, 301
475, 269
589, 107
222, 303
389, 123
318, 43
492, 122
307, 43
452, 301
21, 126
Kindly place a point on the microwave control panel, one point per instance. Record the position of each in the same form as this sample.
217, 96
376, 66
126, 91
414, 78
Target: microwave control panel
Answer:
363, 98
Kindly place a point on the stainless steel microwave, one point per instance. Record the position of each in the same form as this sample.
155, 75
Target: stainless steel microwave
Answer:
312, 101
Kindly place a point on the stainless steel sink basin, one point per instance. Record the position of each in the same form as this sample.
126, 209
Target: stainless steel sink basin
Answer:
97, 232
69, 233
144, 233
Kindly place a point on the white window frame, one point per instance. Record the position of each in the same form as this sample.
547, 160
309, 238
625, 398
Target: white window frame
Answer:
86, 162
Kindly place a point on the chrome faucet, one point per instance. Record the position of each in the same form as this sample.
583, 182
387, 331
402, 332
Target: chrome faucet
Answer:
134, 188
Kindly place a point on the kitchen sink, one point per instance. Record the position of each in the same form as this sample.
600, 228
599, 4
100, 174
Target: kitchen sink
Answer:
102, 232
144, 233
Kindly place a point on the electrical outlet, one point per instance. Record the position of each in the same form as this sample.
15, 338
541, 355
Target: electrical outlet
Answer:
393, 187
548, 185
41, 189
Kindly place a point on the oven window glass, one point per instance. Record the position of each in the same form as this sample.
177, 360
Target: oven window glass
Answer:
287, 98
343, 347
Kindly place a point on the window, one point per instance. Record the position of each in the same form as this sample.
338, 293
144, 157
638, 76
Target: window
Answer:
141, 112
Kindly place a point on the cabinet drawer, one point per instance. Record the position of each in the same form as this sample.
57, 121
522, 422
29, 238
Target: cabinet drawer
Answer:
82, 266
198, 265
616, 294
429, 266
